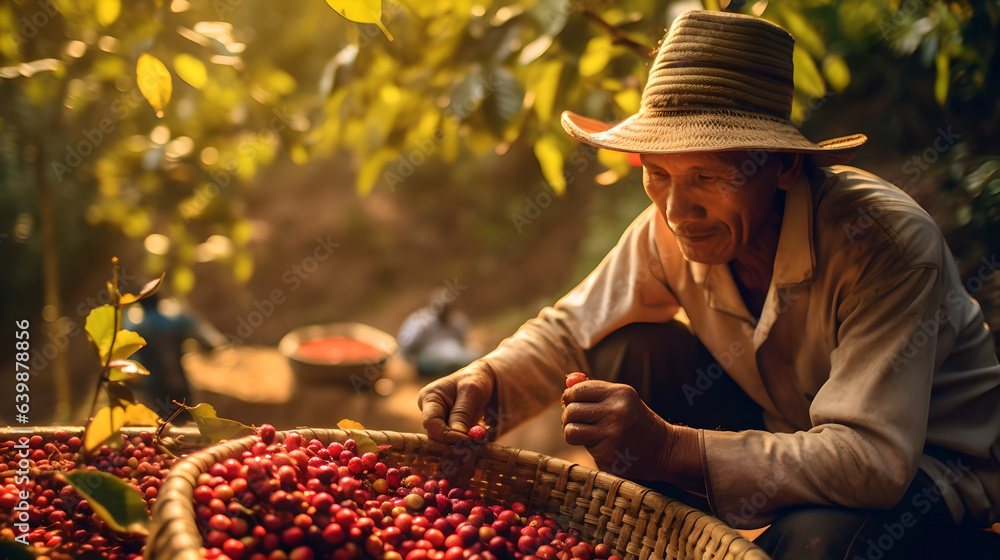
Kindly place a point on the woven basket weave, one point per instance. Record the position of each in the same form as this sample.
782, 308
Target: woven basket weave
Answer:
637, 523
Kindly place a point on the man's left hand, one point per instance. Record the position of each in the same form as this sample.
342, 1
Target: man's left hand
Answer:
622, 434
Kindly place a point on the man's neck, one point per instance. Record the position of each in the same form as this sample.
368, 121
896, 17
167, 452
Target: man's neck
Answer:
753, 268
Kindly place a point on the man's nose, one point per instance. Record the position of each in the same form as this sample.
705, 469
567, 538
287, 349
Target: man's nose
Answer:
682, 203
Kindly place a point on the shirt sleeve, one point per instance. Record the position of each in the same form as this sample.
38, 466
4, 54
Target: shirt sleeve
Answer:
627, 286
869, 419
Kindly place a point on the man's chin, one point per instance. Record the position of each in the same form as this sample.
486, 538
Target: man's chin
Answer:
703, 256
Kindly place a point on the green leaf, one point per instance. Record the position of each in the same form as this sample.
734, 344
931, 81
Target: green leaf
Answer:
119, 505
836, 72
361, 11
107, 11
125, 369
214, 428
551, 159
149, 289
191, 70
365, 443
12, 550
806, 76
943, 79
154, 82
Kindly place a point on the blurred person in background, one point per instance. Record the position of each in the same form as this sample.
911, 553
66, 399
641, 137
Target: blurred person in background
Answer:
779, 338
170, 331
435, 337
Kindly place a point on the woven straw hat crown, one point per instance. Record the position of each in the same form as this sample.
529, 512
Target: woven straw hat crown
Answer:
719, 82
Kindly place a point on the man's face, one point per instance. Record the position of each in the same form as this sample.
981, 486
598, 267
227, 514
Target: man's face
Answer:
711, 206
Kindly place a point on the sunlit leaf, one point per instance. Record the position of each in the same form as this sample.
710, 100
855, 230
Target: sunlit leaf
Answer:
121, 506
373, 167
101, 324
191, 70
107, 11
545, 84
120, 370
836, 72
629, 100
214, 428
596, 57
550, 157
149, 289
154, 82
361, 11
807, 77
138, 414
347, 424
805, 35
942, 62
104, 427
182, 280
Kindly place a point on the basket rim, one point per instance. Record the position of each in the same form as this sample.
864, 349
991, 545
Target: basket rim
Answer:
173, 526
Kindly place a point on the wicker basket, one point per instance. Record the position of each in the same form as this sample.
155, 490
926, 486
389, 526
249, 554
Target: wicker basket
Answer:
637, 523
186, 439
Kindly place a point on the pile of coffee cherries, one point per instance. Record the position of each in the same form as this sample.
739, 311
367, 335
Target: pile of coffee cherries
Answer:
61, 524
302, 500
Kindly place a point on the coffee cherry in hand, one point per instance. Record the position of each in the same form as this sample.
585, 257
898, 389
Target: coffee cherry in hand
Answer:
477, 432
574, 378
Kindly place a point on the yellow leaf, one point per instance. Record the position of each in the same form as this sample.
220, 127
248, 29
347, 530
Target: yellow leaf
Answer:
154, 82
546, 83
615, 161
807, 77
346, 424
596, 57
836, 72
943, 63
139, 414
550, 157
183, 280
120, 370
372, 167
103, 427
191, 70
361, 11
629, 100
107, 11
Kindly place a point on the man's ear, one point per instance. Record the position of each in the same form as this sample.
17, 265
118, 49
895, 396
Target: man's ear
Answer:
790, 169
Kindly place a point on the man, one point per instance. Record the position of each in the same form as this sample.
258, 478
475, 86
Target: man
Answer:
783, 337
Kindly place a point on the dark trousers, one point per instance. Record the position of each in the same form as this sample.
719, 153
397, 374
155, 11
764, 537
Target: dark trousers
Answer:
670, 369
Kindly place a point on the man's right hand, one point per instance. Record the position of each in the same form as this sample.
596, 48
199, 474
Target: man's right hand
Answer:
454, 403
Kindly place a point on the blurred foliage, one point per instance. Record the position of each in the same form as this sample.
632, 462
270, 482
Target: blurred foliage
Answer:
154, 118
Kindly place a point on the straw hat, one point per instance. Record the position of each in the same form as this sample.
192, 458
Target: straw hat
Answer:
720, 82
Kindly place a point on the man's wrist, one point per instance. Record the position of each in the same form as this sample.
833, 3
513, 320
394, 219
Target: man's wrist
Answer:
680, 460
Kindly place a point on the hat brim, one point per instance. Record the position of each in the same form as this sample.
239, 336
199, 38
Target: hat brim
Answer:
683, 131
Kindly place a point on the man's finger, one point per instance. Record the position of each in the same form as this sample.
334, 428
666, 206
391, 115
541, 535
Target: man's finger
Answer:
465, 412
584, 413
434, 413
591, 390
586, 435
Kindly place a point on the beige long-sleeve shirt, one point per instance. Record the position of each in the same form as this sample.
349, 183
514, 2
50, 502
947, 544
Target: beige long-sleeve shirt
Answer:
870, 358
